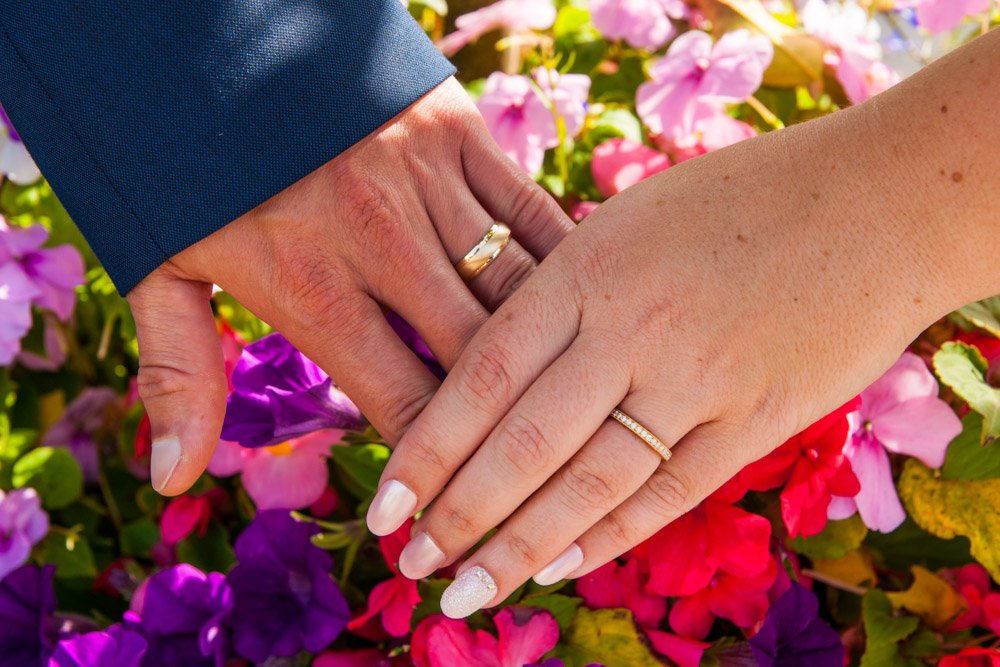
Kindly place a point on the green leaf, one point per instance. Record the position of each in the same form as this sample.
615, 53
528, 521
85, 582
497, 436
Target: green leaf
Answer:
139, 537
910, 544
431, 591
605, 636
562, 607
70, 554
613, 123
884, 631
983, 315
53, 472
12, 446
361, 466
967, 457
211, 553
963, 368
837, 540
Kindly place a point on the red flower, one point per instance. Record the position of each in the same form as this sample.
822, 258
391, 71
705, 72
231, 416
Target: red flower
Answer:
614, 586
972, 657
187, 514
813, 468
972, 582
394, 598
741, 599
524, 635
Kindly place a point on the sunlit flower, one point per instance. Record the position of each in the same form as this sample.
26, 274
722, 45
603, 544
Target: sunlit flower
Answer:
621, 163
644, 24
23, 524
512, 15
524, 635
15, 163
943, 15
114, 647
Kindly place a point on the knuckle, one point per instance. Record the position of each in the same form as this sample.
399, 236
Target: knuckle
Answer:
621, 532
588, 489
524, 445
157, 381
366, 209
504, 283
421, 451
523, 552
488, 378
457, 520
671, 494
398, 413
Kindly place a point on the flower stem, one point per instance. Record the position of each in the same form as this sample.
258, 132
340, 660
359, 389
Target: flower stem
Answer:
834, 582
765, 113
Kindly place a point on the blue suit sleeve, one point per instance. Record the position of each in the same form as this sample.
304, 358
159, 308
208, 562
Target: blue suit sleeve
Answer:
158, 122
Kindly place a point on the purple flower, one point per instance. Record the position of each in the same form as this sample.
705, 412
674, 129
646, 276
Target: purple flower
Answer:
88, 417
278, 394
114, 647
55, 272
23, 523
181, 612
286, 600
5, 122
26, 605
793, 634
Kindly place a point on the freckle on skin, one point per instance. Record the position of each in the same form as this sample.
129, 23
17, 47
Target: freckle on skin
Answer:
726, 177
826, 253
944, 108
815, 196
942, 172
917, 300
741, 238
607, 297
957, 176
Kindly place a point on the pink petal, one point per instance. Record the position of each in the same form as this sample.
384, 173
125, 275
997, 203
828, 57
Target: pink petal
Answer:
737, 70
451, 643
525, 635
644, 24
398, 614
920, 427
621, 163
691, 617
878, 502
841, 507
718, 129
227, 459
667, 107
942, 15
368, 657
291, 481
683, 651
17, 164
908, 378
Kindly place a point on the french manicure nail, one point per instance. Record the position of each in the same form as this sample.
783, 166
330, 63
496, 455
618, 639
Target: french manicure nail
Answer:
393, 504
468, 593
420, 557
563, 564
163, 461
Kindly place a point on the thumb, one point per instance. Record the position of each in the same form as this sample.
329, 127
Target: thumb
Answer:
182, 378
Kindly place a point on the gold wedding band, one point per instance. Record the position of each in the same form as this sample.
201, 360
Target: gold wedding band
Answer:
642, 433
491, 245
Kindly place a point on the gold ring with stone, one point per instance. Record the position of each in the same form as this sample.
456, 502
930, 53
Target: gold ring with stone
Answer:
642, 433
491, 245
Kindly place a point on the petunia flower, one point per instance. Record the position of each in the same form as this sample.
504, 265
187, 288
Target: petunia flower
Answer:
512, 15
793, 634
182, 612
696, 77
524, 635
278, 394
396, 598
615, 585
812, 467
644, 24
740, 599
522, 122
285, 599
621, 163
23, 523
943, 15
15, 162
900, 412
27, 603
114, 647
89, 420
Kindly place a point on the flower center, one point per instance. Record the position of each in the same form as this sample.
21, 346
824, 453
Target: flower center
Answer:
868, 426
702, 64
300, 585
281, 449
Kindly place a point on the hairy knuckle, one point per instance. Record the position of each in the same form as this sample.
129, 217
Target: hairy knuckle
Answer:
671, 494
488, 377
524, 445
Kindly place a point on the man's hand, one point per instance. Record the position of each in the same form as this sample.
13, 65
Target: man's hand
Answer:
380, 226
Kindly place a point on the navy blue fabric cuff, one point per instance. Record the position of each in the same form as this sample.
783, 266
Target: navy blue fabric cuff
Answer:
157, 123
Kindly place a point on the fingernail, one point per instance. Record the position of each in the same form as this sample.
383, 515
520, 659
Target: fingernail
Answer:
163, 461
393, 504
564, 563
468, 593
420, 557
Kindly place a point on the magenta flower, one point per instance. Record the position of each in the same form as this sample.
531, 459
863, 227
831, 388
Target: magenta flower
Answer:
114, 647
396, 598
524, 635
23, 523
523, 122
512, 15
621, 163
86, 424
644, 24
27, 603
900, 412
55, 272
942, 15
684, 651
15, 163
691, 83
16, 294
614, 586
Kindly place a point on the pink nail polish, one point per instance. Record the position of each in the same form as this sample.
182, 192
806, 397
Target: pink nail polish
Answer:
393, 504
563, 564
420, 557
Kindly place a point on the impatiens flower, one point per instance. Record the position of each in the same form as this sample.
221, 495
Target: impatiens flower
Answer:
972, 582
289, 475
695, 78
973, 656
114, 647
278, 394
524, 635
181, 612
23, 523
87, 422
15, 163
396, 598
16, 294
644, 24
556, 662
55, 272
684, 651
188, 514
900, 412
522, 122
512, 15
812, 467
27, 602
793, 634
741, 599
621, 163
54, 348
614, 586
285, 597
942, 15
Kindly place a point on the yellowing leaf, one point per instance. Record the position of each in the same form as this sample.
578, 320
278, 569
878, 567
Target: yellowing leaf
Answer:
855, 569
950, 508
964, 369
983, 314
605, 636
931, 598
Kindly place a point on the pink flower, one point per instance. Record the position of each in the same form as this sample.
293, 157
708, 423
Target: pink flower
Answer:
289, 475
686, 652
582, 209
366, 657
695, 78
621, 163
900, 412
742, 600
513, 15
188, 514
16, 294
15, 163
396, 598
644, 24
23, 523
972, 582
522, 122
524, 635
942, 15
615, 586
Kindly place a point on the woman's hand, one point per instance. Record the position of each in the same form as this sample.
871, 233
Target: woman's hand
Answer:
378, 227
724, 304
